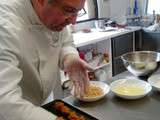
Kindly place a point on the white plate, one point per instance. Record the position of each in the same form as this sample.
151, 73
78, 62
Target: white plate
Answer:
154, 80
102, 85
130, 88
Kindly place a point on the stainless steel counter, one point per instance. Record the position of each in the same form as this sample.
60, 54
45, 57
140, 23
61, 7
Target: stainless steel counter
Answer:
114, 108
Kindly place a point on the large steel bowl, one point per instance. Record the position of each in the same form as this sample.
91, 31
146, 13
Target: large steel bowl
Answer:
141, 63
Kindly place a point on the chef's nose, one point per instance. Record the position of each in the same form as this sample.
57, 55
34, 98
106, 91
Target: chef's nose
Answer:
71, 19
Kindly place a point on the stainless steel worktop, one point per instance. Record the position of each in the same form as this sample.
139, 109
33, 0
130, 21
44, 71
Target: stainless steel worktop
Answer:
114, 108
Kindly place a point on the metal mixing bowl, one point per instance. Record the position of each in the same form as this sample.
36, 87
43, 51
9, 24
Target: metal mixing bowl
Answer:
141, 63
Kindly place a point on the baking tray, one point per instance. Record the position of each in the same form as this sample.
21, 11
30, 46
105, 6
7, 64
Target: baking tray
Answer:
51, 108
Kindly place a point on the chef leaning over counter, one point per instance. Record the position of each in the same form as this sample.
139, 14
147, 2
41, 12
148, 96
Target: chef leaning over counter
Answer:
34, 45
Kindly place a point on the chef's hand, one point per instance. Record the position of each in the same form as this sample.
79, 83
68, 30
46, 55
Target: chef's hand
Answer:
77, 69
59, 118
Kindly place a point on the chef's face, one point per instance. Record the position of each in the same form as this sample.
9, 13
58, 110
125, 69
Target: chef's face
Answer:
59, 13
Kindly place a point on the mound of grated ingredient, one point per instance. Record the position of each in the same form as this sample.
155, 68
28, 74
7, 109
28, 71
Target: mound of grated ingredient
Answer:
93, 91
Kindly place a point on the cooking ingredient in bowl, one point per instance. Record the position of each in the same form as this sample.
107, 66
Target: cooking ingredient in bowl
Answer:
129, 90
93, 91
157, 84
140, 65
151, 66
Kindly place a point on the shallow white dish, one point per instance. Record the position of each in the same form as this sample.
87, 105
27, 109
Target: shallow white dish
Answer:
154, 80
130, 88
105, 88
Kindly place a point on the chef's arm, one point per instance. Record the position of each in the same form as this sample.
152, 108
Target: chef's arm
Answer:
68, 47
12, 105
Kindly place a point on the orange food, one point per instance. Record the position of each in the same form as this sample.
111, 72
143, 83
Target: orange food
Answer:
93, 91
65, 110
59, 105
71, 115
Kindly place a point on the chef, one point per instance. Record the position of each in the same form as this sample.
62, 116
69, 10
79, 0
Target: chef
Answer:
34, 45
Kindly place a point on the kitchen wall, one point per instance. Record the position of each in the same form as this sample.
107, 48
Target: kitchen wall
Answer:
118, 8
114, 9
104, 8
143, 6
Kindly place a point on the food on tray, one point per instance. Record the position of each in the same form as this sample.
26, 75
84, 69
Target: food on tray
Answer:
129, 90
67, 112
60, 118
74, 116
93, 91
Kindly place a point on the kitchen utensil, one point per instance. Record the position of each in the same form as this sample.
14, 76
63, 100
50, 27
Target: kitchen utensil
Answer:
141, 63
103, 86
100, 24
130, 88
154, 80
65, 110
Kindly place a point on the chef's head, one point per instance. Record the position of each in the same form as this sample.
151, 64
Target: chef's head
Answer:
56, 14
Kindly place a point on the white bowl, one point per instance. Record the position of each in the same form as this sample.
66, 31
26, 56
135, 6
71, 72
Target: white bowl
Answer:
154, 80
130, 88
105, 88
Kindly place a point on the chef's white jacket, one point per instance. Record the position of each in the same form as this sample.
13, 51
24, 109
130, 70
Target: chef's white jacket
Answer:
30, 58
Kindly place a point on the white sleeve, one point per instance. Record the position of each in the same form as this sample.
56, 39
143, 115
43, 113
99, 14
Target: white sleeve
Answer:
12, 104
68, 45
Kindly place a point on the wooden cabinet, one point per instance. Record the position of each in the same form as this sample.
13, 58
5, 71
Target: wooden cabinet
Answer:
120, 45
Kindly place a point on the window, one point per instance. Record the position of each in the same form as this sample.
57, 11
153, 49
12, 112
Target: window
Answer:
89, 11
153, 5
83, 14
